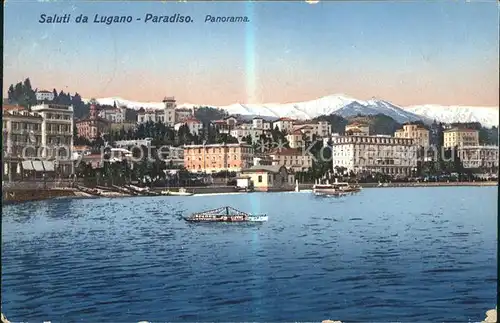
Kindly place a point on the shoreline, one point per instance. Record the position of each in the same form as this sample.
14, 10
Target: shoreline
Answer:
15, 196
491, 317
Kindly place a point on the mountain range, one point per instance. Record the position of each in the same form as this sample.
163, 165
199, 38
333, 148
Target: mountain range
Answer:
344, 106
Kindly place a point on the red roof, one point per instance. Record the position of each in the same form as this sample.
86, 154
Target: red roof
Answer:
192, 120
355, 130
11, 107
461, 130
356, 124
81, 147
285, 119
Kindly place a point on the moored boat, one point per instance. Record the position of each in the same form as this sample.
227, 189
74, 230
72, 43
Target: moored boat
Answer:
181, 192
225, 214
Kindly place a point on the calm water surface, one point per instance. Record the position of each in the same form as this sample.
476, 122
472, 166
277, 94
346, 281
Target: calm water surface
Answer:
409, 254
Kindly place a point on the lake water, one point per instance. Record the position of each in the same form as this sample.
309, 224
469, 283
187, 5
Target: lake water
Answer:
408, 254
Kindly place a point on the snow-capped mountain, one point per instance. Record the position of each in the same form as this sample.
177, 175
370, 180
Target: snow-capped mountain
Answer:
341, 105
487, 116
373, 106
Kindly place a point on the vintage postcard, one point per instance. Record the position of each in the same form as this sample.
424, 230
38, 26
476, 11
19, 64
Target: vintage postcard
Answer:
239, 161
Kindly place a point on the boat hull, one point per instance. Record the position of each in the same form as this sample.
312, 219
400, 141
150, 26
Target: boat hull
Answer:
225, 214
169, 193
334, 192
230, 219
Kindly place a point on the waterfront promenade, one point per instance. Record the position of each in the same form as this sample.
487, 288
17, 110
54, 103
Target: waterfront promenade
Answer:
16, 192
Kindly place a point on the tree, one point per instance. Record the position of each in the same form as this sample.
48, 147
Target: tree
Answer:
11, 94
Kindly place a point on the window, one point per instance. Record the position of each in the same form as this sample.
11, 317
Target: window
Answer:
260, 179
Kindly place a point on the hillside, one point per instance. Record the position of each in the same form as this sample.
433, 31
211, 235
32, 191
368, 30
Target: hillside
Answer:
379, 124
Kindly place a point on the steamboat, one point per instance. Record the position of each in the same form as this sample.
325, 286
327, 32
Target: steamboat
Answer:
335, 189
225, 214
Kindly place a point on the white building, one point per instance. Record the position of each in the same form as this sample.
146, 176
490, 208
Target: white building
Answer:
458, 137
167, 115
384, 154
57, 135
129, 143
485, 157
115, 115
150, 115
194, 125
319, 129
245, 130
284, 124
260, 123
44, 95
294, 139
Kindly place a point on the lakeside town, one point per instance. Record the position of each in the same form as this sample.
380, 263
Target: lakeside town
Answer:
49, 140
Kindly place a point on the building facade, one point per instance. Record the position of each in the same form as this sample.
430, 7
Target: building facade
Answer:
150, 115
22, 139
44, 95
114, 115
295, 160
218, 157
479, 157
43, 135
459, 137
269, 178
284, 124
225, 125
195, 126
295, 139
93, 126
183, 114
167, 115
319, 129
357, 128
384, 154
242, 131
419, 134
169, 111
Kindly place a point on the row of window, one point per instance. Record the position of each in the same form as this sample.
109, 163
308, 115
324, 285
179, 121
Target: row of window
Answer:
58, 127
25, 126
244, 150
374, 140
58, 116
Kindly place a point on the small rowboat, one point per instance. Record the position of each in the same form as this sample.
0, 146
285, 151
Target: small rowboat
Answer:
225, 214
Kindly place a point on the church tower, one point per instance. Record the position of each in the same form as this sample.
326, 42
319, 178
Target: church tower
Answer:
170, 106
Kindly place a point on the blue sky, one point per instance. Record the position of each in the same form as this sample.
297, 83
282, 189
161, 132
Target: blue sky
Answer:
443, 52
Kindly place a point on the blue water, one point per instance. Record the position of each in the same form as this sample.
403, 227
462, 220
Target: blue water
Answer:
408, 254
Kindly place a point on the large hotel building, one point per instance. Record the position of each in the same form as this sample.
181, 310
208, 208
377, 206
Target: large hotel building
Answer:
384, 154
218, 157
38, 140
